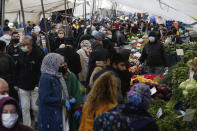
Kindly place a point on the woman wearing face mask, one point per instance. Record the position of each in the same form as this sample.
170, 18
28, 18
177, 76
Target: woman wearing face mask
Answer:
10, 116
59, 40
154, 54
52, 95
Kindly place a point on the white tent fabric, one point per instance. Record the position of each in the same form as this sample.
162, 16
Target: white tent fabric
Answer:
33, 9
160, 9
179, 10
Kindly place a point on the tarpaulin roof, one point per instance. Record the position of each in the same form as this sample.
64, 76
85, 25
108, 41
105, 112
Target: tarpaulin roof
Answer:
33, 9
179, 10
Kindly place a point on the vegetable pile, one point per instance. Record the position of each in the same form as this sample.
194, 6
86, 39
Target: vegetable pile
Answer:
184, 92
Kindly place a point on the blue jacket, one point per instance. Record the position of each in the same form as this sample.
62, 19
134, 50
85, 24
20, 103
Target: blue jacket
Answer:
50, 107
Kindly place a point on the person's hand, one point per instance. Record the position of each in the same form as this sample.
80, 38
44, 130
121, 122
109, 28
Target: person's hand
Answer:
72, 101
77, 115
67, 104
36, 89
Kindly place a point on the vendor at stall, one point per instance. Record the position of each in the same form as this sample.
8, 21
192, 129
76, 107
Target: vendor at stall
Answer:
154, 55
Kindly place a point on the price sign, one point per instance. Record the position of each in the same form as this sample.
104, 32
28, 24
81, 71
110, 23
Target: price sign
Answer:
153, 91
189, 115
180, 52
159, 113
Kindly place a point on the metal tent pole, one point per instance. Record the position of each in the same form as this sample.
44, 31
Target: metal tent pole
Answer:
23, 16
74, 8
2, 13
85, 9
92, 12
46, 30
65, 2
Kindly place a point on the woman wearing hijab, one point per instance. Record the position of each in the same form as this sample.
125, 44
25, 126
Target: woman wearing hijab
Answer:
84, 53
10, 116
52, 93
132, 116
102, 98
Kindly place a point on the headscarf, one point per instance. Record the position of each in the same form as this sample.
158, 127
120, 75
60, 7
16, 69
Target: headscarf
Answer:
3, 101
140, 96
86, 45
50, 65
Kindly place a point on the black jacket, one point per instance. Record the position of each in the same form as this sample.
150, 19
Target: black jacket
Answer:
73, 58
99, 55
52, 37
15, 52
56, 43
154, 54
30, 66
7, 69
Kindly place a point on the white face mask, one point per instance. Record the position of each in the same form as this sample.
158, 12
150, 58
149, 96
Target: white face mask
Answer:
109, 36
60, 36
151, 39
3, 96
9, 120
24, 49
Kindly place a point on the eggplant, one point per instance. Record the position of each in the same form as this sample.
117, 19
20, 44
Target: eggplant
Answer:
136, 81
168, 96
148, 83
161, 96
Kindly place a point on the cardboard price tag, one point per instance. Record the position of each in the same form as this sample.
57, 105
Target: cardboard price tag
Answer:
159, 113
189, 115
180, 52
153, 91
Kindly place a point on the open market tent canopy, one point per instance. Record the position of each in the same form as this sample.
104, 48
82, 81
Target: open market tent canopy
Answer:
179, 10
33, 9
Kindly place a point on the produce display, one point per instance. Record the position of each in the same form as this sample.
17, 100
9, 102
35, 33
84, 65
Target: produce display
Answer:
171, 48
187, 86
141, 79
176, 91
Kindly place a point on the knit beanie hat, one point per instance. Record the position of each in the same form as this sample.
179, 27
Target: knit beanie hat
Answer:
153, 34
140, 96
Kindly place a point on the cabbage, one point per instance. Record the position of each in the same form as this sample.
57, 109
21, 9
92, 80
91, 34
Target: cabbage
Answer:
183, 85
185, 93
191, 85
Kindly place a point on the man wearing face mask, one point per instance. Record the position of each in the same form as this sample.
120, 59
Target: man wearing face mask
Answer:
4, 89
14, 51
11, 116
29, 75
154, 54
